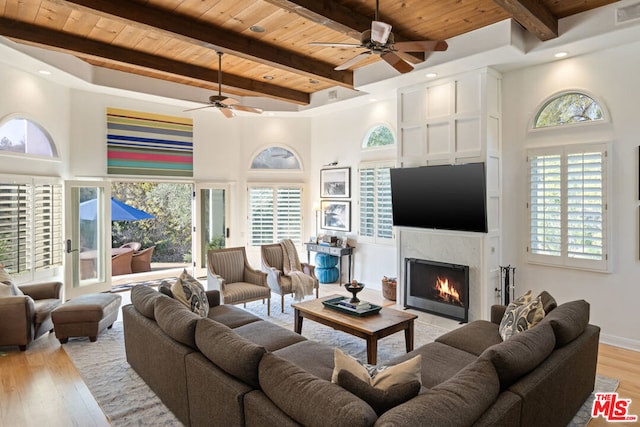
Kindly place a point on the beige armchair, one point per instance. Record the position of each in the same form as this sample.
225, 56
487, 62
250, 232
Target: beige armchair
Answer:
23, 318
272, 259
229, 272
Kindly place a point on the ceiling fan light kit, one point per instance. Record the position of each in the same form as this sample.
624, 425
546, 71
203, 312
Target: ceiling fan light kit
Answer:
379, 40
223, 103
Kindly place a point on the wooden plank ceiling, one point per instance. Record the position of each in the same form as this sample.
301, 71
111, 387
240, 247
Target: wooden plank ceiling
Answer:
177, 40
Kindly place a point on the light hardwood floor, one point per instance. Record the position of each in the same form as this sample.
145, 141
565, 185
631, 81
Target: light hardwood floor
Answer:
41, 387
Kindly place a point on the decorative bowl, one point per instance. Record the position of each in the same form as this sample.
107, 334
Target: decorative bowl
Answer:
354, 287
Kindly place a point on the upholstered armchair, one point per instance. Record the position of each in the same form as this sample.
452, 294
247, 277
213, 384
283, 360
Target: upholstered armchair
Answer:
23, 318
272, 259
229, 272
141, 260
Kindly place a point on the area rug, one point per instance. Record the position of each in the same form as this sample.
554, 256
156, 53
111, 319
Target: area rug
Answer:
127, 401
155, 282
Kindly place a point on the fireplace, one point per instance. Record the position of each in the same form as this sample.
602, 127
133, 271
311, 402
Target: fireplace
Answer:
437, 288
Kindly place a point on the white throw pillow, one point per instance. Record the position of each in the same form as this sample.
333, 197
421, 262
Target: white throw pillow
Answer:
381, 377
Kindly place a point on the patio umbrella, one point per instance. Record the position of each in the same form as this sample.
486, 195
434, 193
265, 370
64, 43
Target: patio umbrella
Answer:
120, 211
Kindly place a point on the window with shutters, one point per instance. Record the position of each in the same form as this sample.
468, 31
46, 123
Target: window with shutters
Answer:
275, 213
568, 206
30, 225
376, 223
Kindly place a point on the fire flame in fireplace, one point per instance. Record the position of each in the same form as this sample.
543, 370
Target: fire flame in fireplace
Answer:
445, 292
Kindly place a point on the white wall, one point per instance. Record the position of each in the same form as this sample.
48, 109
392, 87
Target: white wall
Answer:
612, 77
337, 136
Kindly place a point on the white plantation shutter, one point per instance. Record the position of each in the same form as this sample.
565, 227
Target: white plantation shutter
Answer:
275, 213
367, 202
376, 220
567, 206
30, 226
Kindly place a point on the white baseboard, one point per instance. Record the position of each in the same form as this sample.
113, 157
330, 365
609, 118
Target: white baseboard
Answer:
620, 342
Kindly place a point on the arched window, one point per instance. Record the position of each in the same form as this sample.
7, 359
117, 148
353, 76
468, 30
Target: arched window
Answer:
378, 136
276, 158
567, 108
21, 135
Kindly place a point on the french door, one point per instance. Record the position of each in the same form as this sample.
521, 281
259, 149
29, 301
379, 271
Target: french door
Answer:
211, 219
87, 237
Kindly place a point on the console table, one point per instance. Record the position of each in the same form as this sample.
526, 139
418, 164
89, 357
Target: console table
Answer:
331, 250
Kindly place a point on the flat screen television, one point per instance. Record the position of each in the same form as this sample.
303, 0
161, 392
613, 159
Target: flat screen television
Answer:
448, 197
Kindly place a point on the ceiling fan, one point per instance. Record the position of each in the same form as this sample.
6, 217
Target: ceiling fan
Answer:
379, 40
225, 104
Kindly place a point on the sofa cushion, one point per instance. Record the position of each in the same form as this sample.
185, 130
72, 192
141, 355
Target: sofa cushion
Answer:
521, 354
474, 337
312, 356
268, 335
190, 292
568, 321
380, 400
548, 302
520, 318
231, 316
316, 402
143, 299
229, 351
165, 288
458, 401
176, 320
381, 377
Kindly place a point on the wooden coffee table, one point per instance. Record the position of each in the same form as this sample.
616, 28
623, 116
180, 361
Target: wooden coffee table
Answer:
388, 321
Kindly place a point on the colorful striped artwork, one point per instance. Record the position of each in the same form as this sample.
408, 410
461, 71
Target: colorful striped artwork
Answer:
148, 144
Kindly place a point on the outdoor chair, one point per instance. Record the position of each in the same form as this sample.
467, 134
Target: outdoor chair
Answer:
121, 263
272, 258
229, 272
141, 261
133, 245
25, 310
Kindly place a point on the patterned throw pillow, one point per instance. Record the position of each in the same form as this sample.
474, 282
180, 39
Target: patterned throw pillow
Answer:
382, 387
520, 317
191, 293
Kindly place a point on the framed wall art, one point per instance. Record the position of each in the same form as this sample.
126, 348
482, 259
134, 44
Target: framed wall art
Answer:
336, 215
335, 182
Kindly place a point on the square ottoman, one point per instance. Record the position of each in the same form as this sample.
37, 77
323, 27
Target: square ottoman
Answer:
85, 316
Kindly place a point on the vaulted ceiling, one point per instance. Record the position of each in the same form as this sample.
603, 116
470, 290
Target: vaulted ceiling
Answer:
266, 43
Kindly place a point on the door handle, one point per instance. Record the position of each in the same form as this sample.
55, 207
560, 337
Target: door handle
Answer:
68, 247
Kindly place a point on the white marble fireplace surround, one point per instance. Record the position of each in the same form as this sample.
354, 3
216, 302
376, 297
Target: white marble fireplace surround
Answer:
451, 247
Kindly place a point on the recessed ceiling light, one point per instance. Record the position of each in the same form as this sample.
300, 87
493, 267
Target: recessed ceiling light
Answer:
561, 54
267, 77
257, 29
431, 75
45, 72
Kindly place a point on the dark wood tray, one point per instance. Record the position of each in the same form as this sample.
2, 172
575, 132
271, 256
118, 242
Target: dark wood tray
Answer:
333, 304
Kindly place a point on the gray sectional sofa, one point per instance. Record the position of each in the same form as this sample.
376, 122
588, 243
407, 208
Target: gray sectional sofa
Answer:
235, 369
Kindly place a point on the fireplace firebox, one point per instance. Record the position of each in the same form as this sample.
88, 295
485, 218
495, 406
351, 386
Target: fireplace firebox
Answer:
437, 288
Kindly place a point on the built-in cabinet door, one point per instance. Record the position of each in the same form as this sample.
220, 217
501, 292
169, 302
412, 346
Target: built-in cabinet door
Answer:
87, 237
212, 222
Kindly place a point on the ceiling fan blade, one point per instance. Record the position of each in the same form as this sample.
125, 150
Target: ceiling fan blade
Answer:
421, 46
353, 61
227, 112
409, 58
380, 32
335, 44
230, 101
248, 109
198, 108
396, 62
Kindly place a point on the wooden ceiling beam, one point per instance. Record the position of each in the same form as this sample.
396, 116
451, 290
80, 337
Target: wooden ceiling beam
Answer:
532, 15
336, 17
72, 44
210, 36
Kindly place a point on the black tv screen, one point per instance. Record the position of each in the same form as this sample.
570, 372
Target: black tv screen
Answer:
448, 197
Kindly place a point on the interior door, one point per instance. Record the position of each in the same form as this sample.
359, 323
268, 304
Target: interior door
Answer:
212, 223
87, 237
